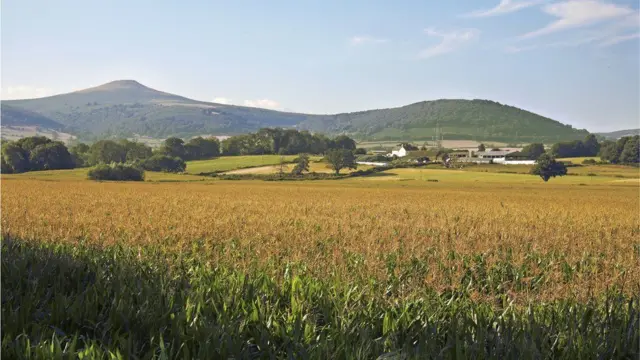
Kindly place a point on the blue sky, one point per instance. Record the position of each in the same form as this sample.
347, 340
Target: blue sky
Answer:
576, 61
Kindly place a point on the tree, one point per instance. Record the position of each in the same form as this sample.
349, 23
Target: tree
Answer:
15, 157
609, 151
159, 162
546, 167
302, 164
631, 151
116, 172
344, 142
409, 147
30, 143
201, 148
361, 151
106, 152
80, 154
136, 150
481, 147
590, 145
173, 147
50, 156
339, 159
533, 151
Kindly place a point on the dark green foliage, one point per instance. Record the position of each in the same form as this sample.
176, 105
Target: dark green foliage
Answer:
135, 150
201, 148
116, 172
360, 151
106, 152
481, 147
577, 148
283, 142
30, 143
159, 162
533, 151
5, 168
589, 162
631, 151
50, 156
302, 164
15, 157
625, 150
409, 147
339, 159
35, 153
173, 147
343, 142
80, 154
546, 167
64, 301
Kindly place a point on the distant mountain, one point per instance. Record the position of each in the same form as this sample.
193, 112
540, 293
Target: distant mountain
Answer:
126, 107
14, 116
614, 135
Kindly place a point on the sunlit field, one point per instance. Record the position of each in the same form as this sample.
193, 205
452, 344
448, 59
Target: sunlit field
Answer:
408, 262
226, 163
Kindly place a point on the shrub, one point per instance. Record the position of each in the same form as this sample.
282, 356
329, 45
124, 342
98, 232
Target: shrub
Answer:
589, 162
116, 172
164, 163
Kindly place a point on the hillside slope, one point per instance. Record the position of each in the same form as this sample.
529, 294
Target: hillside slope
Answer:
457, 119
614, 135
126, 107
15, 116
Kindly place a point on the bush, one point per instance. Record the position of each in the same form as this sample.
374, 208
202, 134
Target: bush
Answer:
589, 162
164, 163
116, 172
360, 151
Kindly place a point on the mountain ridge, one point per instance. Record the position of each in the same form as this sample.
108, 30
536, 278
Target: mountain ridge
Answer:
125, 107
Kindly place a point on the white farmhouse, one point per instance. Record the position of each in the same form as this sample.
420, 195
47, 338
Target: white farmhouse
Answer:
399, 153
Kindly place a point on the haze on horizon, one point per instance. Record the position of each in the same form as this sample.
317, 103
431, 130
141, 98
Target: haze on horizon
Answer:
575, 61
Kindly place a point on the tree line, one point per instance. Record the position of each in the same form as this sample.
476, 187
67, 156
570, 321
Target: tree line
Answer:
625, 150
41, 153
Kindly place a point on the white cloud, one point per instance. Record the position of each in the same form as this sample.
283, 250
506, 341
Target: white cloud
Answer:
504, 7
578, 13
607, 35
222, 100
449, 42
619, 38
24, 92
366, 39
262, 103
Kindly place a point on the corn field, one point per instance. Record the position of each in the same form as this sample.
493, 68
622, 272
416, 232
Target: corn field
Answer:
322, 270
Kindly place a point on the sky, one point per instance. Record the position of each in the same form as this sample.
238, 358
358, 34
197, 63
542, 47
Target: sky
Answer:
575, 61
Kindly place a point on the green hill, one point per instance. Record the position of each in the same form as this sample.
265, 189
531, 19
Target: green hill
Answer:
126, 107
14, 116
614, 135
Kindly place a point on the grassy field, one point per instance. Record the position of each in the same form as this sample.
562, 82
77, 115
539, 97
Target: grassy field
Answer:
318, 167
226, 163
473, 265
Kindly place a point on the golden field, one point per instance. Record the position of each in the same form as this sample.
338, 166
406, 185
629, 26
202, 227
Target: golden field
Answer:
541, 241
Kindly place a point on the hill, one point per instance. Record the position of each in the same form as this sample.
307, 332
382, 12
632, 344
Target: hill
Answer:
614, 135
126, 107
15, 116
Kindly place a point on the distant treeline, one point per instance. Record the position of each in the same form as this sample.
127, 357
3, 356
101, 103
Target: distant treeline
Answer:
40, 153
625, 150
284, 142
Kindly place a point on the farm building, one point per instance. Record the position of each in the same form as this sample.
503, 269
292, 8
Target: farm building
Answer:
402, 152
494, 154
